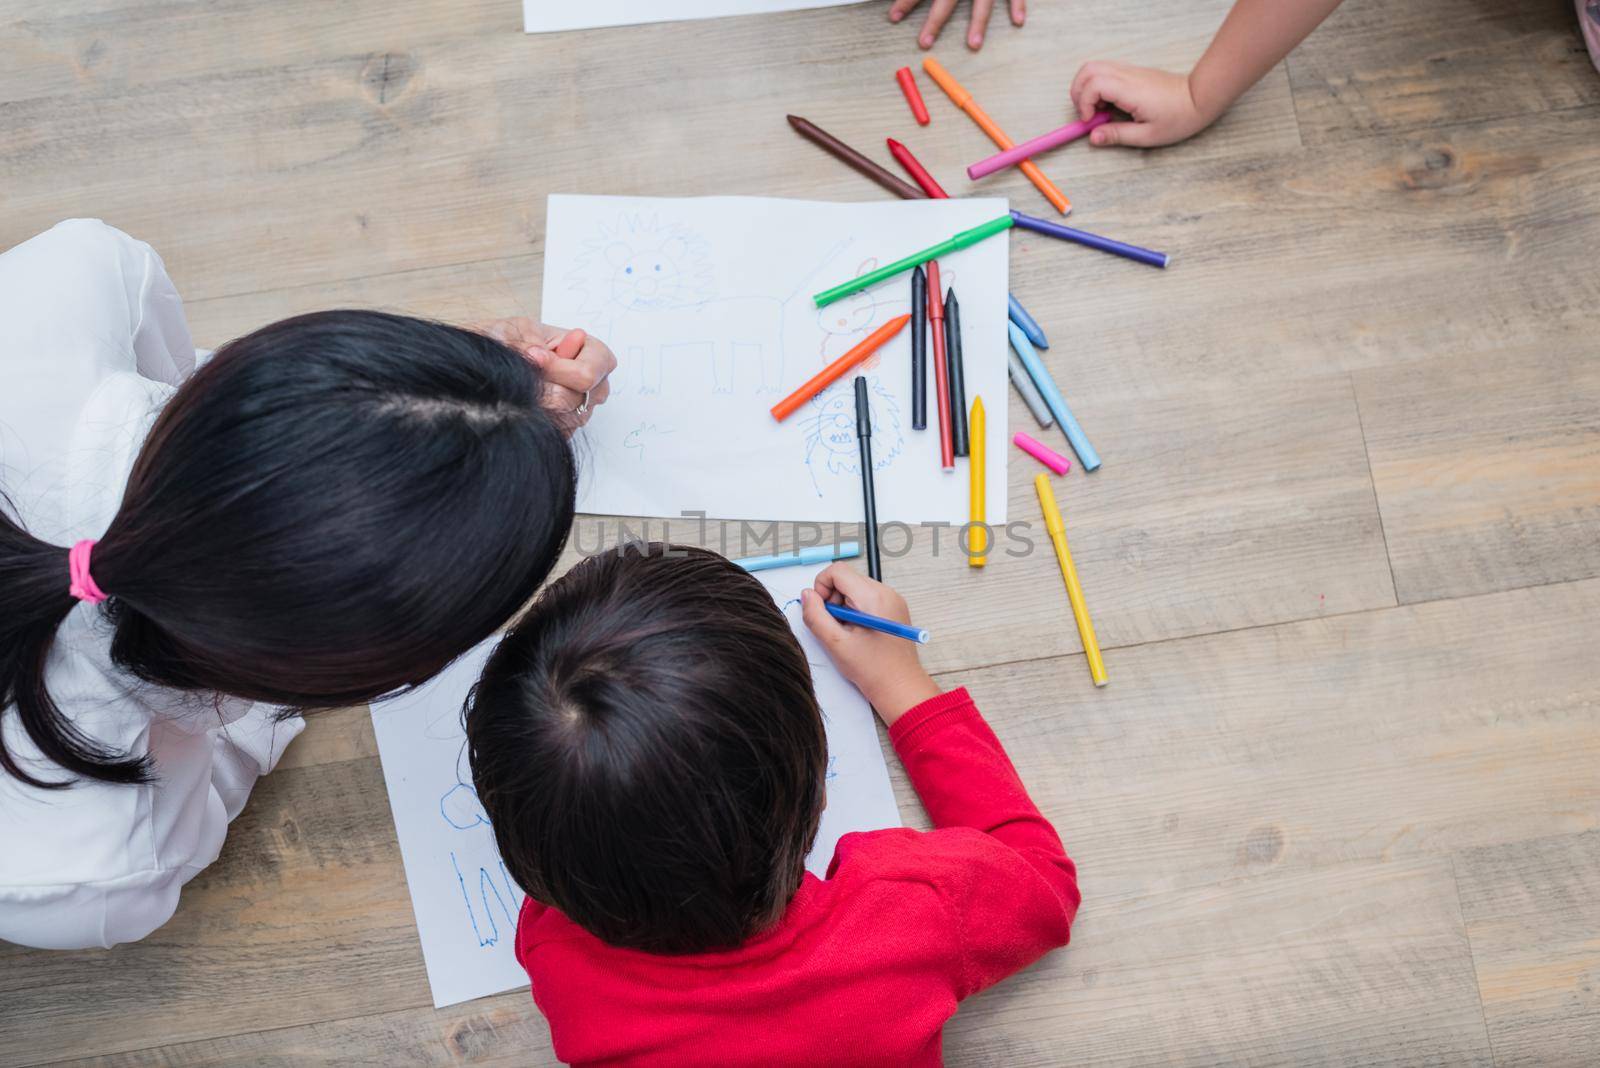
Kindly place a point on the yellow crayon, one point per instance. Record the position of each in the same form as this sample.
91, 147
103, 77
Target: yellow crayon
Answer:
1069, 575
975, 479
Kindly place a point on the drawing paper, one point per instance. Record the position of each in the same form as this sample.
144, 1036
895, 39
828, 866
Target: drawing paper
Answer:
465, 902
707, 303
543, 16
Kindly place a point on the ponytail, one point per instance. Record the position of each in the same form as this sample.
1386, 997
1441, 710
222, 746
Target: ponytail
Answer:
332, 509
35, 588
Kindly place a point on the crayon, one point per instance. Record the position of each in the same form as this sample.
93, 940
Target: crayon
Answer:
835, 370
1081, 237
815, 554
1042, 452
864, 166
918, 172
1030, 326
1052, 397
908, 86
977, 503
877, 623
1069, 575
571, 343
1028, 391
869, 498
919, 349
941, 369
963, 100
964, 239
1028, 149
853, 159
957, 375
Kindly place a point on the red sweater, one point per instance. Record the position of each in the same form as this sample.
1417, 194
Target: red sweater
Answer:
866, 966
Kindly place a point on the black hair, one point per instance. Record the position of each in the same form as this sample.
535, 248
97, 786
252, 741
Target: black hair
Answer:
649, 750
331, 509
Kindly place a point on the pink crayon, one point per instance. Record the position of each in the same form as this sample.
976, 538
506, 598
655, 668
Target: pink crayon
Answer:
1028, 149
1043, 453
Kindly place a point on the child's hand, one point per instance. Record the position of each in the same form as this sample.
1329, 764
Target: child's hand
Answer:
573, 364
940, 12
884, 668
1160, 102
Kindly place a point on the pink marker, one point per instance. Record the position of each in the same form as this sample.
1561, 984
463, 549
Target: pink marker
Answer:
1043, 453
1028, 149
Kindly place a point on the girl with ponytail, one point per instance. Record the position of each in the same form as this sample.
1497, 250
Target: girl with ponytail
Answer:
331, 509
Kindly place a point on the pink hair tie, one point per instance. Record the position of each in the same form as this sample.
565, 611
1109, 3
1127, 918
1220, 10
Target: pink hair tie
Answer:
83, 586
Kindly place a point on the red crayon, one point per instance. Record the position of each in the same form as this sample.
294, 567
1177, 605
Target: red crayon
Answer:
908, 86
941, 373
918, 172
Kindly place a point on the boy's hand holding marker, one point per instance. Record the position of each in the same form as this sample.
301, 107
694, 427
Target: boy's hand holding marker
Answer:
576, 367
885, 669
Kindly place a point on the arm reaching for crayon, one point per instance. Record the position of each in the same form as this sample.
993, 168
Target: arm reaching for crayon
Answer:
940, 11
885, 669
573, 364
1167, 107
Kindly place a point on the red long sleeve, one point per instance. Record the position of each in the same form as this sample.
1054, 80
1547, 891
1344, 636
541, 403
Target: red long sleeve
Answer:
1014, 904
866, 966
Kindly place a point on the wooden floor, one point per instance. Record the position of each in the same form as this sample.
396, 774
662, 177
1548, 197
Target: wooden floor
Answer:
1341, 802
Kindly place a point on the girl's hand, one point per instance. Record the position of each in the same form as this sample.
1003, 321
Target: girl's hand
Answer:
884, 668
1161, 103
940, 13
572, 362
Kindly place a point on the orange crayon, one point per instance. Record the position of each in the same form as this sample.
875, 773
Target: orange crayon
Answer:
835, 370
962, 99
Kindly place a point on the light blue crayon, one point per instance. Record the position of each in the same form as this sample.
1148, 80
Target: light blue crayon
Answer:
816, 554
877, 623
1030, 326
1052, 396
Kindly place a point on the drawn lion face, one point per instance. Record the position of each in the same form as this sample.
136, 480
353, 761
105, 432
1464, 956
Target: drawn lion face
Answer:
641, 264
831, 430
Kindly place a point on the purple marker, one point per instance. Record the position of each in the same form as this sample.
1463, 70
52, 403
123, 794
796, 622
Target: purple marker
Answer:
1081, 237
1028, 149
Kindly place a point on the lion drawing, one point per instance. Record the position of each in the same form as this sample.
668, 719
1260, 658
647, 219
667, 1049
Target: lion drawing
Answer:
650, 289
830, 427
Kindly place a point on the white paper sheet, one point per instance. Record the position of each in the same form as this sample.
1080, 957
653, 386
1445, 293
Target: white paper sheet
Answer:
860, 797
543, 16
466, 904
707, 303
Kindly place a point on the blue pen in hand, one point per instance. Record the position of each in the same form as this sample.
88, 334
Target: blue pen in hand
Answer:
877, 623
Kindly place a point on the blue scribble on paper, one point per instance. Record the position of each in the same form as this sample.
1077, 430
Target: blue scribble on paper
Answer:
461, 809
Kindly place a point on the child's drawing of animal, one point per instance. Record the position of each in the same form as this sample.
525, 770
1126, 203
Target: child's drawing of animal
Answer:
831, 448
650, 290
485, 875
846, 323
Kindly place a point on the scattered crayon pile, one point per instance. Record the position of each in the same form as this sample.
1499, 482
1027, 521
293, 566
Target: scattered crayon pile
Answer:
936, 314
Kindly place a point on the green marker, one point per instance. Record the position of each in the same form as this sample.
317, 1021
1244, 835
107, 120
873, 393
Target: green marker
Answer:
943, 248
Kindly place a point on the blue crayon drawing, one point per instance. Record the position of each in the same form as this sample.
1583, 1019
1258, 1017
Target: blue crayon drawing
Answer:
655, 281
460, 808
830, 426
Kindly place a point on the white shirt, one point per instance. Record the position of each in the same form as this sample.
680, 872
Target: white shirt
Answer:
92, 343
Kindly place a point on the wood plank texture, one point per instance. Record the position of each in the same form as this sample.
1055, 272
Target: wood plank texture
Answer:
1388, 66
1532, 911
1372, 736
1339, 803
1487, 469
427, 146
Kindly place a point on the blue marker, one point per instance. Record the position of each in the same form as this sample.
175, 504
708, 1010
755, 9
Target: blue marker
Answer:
878, 623
817, 554
1030, 326
1052, 396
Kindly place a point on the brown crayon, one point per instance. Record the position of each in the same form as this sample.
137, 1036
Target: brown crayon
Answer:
854, 160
